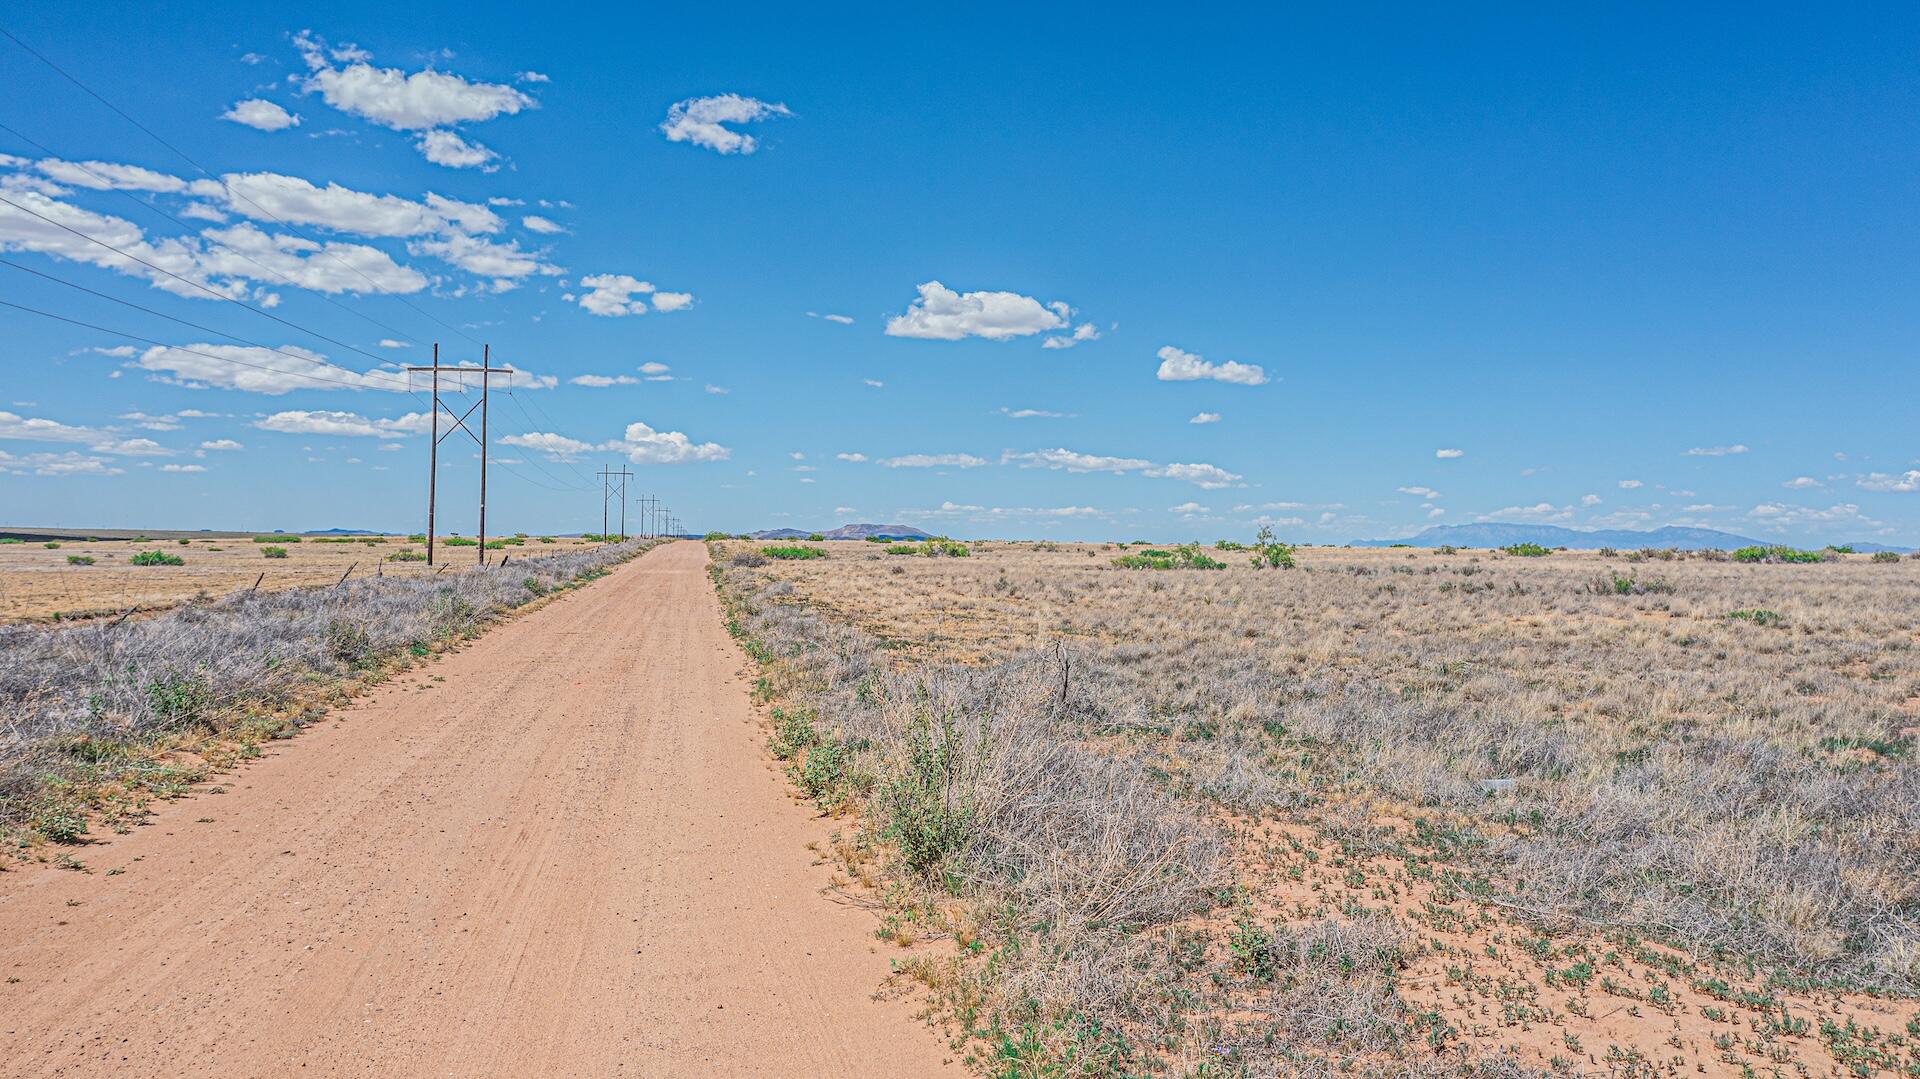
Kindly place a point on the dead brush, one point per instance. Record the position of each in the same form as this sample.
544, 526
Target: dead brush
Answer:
215, 664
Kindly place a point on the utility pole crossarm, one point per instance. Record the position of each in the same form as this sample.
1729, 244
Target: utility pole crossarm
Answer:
486, 371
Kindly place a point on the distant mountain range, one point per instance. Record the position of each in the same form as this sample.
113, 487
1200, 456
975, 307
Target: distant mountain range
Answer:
846, 532
1495, 534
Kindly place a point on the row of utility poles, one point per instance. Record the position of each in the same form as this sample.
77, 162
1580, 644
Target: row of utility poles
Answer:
655, 519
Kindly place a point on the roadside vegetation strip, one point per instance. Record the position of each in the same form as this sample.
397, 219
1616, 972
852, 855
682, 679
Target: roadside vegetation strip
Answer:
1442, 763
91, 715
1086, 898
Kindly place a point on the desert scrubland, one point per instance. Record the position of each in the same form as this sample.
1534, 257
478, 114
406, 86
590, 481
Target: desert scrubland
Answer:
67, 575
1393, 811
99, 716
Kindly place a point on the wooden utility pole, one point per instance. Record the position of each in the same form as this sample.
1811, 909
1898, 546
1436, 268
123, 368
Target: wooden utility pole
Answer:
606, 475
486, 371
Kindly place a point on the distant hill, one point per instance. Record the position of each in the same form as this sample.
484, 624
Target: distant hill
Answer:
846, 532
1495, 534
1870, 548
345, 532
860, 532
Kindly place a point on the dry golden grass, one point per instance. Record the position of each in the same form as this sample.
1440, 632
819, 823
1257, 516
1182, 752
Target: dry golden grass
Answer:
38, 583
1708, 859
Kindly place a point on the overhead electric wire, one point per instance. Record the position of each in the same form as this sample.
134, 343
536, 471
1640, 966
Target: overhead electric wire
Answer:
155, 207
181, 348
215, 293
193, 325
204, 171
240, 195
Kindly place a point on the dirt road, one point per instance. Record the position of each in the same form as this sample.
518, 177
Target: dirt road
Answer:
570, 857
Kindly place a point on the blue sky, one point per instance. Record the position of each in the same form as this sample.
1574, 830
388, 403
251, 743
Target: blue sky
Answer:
1092, 275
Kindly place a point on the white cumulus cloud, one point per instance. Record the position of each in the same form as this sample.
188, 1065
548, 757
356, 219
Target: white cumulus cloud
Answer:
934, 460
942, 314
345, 424
702, 121
261, 114
1180, 366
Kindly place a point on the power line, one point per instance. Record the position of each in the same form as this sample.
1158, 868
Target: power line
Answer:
216, 294
204, 171
189, 351
184, 322
109, 185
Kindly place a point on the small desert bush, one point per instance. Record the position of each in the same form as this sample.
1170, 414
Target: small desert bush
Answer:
459, 541
284, 537
1885, 556
1621, 584
942, 547
748, 557
1184, 556
273, 552
406, 554
157, 558
79, 560
1526, 550
1269, 553
51, 546
793, 553
1776, 553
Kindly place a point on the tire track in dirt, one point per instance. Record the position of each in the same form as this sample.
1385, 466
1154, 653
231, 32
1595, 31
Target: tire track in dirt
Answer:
570, 857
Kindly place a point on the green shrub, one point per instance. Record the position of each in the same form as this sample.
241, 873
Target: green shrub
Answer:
283, 537
823, 770
496, 545
51, 546
1776, 553
942, 547
714, 537
1269, 553
792, 732
1758, 616
1885, 556
13, 539
1526, 550
815, 537
878, 539
792, 553
928, 802
417, 537
546, 539
273, 552
1620, 584
157, 558
79, 560
1229, 545
908, 548
459, 541
406, 554
1184, 556
181, 700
